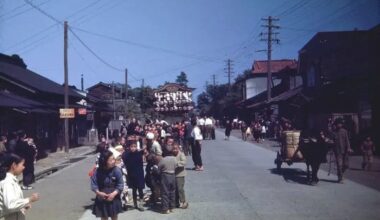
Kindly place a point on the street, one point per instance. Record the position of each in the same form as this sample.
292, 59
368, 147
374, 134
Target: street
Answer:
239, 182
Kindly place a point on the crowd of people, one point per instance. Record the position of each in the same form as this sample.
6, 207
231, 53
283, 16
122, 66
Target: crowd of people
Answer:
159, 147
17, 156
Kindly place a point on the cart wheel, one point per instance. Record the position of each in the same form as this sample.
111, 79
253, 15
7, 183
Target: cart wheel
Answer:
278, 161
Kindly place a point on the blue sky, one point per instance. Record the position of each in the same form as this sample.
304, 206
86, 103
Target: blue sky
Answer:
157, 39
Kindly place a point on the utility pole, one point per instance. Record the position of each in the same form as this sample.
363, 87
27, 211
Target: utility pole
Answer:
206, 85
66, 86
126, 93
213, 80
269, 40
142, 93
113, 101
229, 71
81, 83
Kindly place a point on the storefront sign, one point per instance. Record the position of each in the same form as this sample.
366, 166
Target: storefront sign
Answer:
82, 111
66, 113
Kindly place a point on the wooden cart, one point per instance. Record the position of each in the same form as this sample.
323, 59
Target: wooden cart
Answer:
289, 152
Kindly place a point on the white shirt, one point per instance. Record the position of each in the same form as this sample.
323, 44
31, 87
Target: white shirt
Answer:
156, 149
263, 129
12, 199
201, 122
208, 121
196, 134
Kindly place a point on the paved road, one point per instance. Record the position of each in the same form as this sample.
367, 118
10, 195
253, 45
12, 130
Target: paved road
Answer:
239, 182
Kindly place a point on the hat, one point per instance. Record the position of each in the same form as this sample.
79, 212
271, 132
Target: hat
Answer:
115, 153
118, 147
150, 136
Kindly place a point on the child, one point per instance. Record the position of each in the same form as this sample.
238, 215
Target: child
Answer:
118, 152
166, 168
133, 160
368, 148
180, 174
13, 204
107, 183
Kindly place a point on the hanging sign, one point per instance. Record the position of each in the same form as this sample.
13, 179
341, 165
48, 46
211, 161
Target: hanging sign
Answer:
66, 113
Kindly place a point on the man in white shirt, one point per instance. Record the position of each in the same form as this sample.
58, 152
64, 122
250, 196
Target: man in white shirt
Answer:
196, 149
209, 127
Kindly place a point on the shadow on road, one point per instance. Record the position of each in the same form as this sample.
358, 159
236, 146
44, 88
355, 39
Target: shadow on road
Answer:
291, 175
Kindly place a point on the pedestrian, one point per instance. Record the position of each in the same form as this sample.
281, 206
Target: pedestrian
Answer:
263, 132
166, 169
197, 147
341, 149
28, 152
243, 129
107, 183
227, 131
154, 151
133, 160
248, 132
3, 142
180, 174
368, 148
13, 205
13, 139
189, 140
257, 132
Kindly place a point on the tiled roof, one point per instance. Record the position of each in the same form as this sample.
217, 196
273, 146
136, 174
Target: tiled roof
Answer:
33, 80
277, 66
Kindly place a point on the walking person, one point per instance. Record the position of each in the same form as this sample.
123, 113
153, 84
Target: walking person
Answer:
197, 147
227, 131
133, 160
166, 168
107, 183
263, 132
243, 129
341, 149
368, 148
12, 202
28, 152
180, 174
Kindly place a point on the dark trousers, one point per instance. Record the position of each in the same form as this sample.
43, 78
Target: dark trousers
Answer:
134, 193
168, 191
180, 190
28, 176
196, 153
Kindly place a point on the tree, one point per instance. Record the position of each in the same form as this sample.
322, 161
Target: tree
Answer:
182, 79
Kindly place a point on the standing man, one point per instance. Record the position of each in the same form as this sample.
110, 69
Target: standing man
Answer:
189, 140
208, 125
341, 149
196, 148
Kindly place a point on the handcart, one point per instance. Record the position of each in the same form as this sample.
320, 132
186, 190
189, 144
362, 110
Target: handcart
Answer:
289, 152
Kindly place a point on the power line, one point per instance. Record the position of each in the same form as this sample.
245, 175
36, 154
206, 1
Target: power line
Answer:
93, 53
206, 59
43, 12
24, 11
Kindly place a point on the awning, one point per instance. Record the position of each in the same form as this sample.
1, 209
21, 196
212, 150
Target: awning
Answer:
286, 95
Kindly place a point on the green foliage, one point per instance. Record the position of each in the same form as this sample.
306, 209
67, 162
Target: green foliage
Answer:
182, 79
220, 100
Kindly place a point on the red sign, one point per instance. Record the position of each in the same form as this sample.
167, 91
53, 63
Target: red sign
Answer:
82, 111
